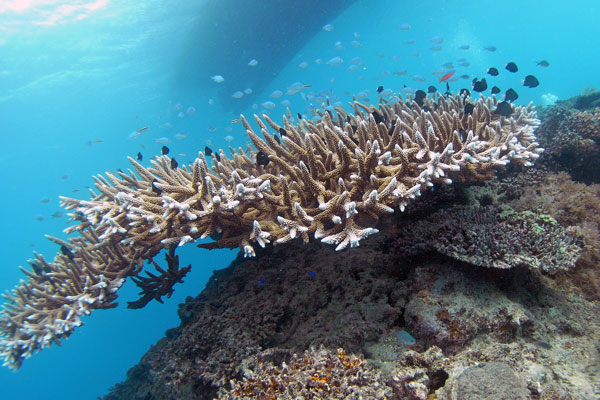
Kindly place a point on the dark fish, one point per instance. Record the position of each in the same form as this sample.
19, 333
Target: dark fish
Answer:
543, 63
531, 81
479, 86
493, 71
464, 93
164, 150
218, 156
380, 89
139, 156
469, 107
312, 274
277, 139
299, 116
377, 117
419, 97
510, 95
512, 67
262, 158
282, 132
207, 151
36, 268
65, 250
544, 345
448, 93
431, 89
504, 109
495, 90
155, 189
463, 135
174, 163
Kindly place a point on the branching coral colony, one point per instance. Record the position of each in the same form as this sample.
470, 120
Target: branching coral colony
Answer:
324, 179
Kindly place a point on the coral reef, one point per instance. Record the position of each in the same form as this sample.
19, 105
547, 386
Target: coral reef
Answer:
494, 237
331, 180
316, 374
572, 141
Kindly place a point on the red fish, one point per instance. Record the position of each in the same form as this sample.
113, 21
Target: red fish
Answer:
446, 77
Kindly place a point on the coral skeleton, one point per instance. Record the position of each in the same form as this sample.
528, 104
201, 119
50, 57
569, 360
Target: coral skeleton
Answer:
330, 179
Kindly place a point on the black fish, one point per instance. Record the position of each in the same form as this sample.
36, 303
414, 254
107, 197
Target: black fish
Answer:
464, 93
448, 93
531, 81
164, 150
218, 156
377, 117
299, 116
495, 90
419, 97
512, 67
431, 89
493, 71
463, 135
174, 163
543, 63
380, 89
277, 139
207, 151
37, 269
282, 132
504, 109
262, 158
510, 95
67, 252
479, 86
392, 127
469, 107
139, 156
155, 189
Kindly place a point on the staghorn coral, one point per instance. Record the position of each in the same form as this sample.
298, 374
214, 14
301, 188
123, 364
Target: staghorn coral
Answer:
317, 374
325, 179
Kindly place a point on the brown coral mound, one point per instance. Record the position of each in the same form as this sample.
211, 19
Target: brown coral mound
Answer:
317, 374
326, 179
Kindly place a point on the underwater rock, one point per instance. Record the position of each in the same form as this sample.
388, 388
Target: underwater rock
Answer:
490, 381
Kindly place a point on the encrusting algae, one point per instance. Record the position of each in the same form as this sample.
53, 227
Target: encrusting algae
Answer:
331, 179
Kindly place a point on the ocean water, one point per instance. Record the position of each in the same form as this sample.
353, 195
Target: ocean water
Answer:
79, 78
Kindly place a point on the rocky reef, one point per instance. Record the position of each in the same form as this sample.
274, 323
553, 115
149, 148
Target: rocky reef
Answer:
489, 290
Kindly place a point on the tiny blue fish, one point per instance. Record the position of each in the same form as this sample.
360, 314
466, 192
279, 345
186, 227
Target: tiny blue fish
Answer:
261, 282
312, 274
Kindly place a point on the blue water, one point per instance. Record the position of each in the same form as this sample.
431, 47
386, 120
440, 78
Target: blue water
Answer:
77, 77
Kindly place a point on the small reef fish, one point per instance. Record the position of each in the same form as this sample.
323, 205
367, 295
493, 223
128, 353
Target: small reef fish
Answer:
495, 90
207, 151
296, 87
92, 142
64, 176
39, 218
285, 103
235, 120
490, 48
319, 61
229, 138
510, 95
139, 156
328, 28
479, 85
211, 128
217, 78
531, 81
493, 71
191, 110
464, 47
167, 125
335, 61
253, 63
164, 150
262, 158
380, 89
511, 67
248, 91
269, 105
303, 65
67, 252
338, 45
237, 95
543, 63
276, 94
352, 68
181, 115
162, 140
431, 89
419, 97
174, 163
469, 107
45, 200
446, 77
404, 27
436, 40
58, 214
136, 133
181, 135
356, 43
504, 109
436, 48
418, 78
